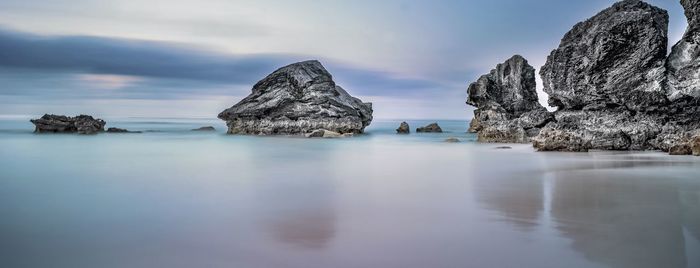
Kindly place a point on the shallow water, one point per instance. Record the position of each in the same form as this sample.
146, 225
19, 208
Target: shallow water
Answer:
176, 198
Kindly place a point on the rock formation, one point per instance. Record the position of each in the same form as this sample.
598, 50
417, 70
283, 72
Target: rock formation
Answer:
403, 128
207, 128
433, 128
684, 64
297, 99
507, 105
614, 88
82, 124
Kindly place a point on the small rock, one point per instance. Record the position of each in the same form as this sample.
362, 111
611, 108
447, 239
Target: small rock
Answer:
82, 124
680, 149
120, 130
503, 148
434, 128
403, 128
207, 128
452, 140
695, 145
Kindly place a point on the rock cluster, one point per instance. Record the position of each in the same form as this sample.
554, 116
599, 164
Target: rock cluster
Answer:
430, 128
82, 124
507, 105
611, 82
298, 99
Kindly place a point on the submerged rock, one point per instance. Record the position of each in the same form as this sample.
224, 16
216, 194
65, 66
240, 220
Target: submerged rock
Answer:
82, 124
433, 128
683, 64
297, 99
452, 140
616, 58
508, 110
120, 130
403, 128
207, 128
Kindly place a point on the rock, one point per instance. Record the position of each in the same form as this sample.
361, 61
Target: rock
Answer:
297, 99
348, 135
452, 140
324, 133
695, 145
508, 110
616, 58
206, 128
503, 148
82, 124
683, 64
403, 128
434, 128
120, 130
680, 149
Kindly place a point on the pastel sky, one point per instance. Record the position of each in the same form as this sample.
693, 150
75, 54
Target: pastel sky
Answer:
193, 58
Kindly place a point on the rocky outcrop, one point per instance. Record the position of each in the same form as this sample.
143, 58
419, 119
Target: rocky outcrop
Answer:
297, 99
430, 128
207, 128
403, 128
82, 124
608, 79
616, 58
683, 63
507, 105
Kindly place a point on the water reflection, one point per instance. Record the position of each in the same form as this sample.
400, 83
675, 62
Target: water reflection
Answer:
618, 209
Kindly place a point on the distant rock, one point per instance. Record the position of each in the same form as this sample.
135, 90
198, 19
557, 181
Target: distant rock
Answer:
324, 133
503, 148
403, 128
120, 130
683, 64
616, 58
507, 105
434, 128
452, 140
82, 124
207, 128
297, 99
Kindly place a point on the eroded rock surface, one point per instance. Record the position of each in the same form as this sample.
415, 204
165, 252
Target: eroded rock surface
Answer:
82, 124
507, 105
683, 63
297, 99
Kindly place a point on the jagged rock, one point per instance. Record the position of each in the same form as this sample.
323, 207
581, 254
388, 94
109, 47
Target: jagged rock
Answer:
617, 129
452, 140
695, 145
434, 127
82, 124
120, 130
206, 128
615, 58
507, 106
683, 64
403, 128
324, 133
297, 99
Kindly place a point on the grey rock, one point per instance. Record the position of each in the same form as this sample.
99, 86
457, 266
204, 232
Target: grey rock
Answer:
206, 128
432, 128
683, 64
503, 148
403, 128
616, 58
452, 140
324, 133
508, 110
695, 145
297, 99
82, 124
120, 130
681, 149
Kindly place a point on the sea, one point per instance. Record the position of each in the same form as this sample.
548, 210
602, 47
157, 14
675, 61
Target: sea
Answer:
172, 197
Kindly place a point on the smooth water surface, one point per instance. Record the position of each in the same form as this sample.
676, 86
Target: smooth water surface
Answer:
171, 197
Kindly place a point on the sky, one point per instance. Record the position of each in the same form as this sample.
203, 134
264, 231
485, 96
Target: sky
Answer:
193, 58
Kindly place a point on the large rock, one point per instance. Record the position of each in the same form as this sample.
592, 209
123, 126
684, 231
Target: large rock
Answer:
683, 63
82, 124
616, 58
430, 128
507, 105
297, 99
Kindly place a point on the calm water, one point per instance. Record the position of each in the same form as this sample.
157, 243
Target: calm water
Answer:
176, 198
